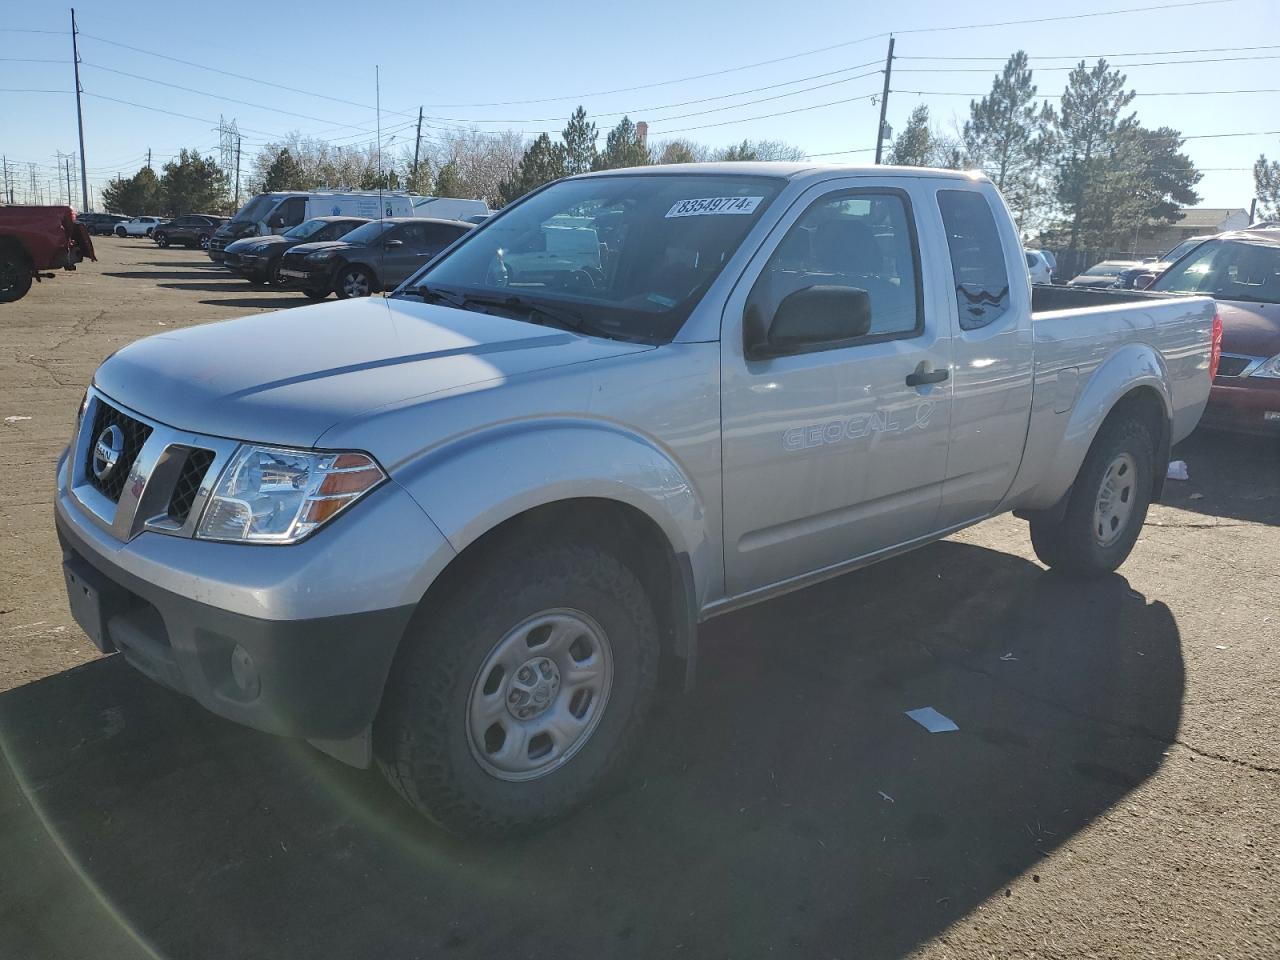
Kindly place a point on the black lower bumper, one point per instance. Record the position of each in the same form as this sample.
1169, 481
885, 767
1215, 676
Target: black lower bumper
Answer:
318, 679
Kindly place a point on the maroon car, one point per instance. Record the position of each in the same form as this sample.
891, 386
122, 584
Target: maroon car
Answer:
1242, 272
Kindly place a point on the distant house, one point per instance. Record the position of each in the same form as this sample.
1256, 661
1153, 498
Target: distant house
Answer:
1195, 222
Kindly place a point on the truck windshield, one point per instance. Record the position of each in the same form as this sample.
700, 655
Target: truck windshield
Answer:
631, 255
254, 209
1241, 270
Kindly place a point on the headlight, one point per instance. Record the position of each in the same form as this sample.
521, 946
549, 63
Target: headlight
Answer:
275, 495
1270, 368
321, 255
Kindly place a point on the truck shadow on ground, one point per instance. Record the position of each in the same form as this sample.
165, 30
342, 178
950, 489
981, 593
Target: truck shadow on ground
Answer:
1237, 477
785, 807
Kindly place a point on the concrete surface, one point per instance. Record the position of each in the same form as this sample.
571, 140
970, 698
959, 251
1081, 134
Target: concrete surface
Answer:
1113, 789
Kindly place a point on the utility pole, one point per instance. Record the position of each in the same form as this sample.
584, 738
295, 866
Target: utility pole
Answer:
417, 143
8, 195
884, 100
148, 158
86, 187
1253, 205
35, 196
75, 56
237, 171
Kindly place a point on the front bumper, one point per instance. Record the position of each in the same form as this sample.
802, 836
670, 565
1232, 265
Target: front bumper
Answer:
1244, 405
295, 640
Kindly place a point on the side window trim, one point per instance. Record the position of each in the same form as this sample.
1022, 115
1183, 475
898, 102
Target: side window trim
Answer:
909, 214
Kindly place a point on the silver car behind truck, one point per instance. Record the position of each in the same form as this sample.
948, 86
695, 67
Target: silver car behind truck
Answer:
462, 530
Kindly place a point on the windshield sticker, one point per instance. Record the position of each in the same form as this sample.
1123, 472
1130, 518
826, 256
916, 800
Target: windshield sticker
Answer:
706, 206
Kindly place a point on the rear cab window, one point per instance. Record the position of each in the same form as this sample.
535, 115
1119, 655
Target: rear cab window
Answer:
981, 279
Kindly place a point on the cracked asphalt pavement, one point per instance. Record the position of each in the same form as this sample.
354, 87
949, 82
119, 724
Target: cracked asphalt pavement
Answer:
1113, 789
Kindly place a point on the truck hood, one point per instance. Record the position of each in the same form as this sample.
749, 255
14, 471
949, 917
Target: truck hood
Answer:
1251, 329
287, 377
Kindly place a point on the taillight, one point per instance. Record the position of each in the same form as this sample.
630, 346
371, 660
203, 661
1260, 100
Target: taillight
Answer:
1215, 345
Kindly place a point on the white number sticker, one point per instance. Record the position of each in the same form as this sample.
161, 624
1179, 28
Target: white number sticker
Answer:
706, 206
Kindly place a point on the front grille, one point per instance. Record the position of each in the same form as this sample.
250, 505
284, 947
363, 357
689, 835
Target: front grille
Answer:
217, 243
187, 486
1232, 365
135, 434
231, 259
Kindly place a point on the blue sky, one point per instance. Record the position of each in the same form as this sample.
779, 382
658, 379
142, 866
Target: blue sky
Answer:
470, 63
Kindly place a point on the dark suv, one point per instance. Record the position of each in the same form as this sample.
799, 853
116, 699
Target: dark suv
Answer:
376, 256
257, 259
190, 231
101, 224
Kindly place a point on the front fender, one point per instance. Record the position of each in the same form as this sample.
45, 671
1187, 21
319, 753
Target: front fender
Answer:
1133, 366
472, 485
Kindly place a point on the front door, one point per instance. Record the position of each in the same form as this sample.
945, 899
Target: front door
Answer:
837, 453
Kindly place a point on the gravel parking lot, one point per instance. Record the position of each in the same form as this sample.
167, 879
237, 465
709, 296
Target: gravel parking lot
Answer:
1113, 790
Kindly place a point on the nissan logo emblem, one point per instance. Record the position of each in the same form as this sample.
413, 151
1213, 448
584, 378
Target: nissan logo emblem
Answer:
107, 450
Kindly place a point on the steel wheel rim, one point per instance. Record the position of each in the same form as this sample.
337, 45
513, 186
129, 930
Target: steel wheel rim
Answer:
539, 695
354, 284
1116, 496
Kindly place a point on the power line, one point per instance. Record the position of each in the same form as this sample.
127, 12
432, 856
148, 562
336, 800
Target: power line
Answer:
1094, 56
765, 116
1114, 66
1150, 93
31, 60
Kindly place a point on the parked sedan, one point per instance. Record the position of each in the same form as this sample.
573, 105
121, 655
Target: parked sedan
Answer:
1242, 272
1104, 274
257, 259
376, 256
101, 224
139, 226
190, 231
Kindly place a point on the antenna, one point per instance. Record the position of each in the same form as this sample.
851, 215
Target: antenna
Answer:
377, 100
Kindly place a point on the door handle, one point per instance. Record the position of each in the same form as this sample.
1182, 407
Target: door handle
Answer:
921, 376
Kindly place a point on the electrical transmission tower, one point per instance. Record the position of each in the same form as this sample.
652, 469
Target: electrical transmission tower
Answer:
228, 143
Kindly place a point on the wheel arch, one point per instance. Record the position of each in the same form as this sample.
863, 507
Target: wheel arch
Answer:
1133, 379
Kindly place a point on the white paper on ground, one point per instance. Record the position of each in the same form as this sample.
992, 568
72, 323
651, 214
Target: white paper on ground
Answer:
1177, 470
932, 720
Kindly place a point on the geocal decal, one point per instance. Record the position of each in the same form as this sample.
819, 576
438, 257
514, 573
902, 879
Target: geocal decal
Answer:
856, 427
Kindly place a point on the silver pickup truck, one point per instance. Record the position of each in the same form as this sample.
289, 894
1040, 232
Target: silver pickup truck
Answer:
462, 531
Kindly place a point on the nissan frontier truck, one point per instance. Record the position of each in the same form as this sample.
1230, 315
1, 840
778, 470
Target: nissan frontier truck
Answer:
459, 532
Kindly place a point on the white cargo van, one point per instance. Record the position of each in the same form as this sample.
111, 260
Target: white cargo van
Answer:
274, 213
449, 208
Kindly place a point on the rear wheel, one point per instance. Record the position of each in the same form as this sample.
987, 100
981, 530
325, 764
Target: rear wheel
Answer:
1108, 503
121, 232
162, 239
354, 282
15, 275
204, 241
515, 698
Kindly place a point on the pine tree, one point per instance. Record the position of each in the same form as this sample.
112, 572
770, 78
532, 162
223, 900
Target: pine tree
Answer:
914, 146
738, 152
285, 173
137, 195
1148, 181
1266, 187
449, 181
579, 138
1008, 137
1088, 131
542, 162
623, 148
193, 184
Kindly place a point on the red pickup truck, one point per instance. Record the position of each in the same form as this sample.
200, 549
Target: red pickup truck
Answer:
35, 239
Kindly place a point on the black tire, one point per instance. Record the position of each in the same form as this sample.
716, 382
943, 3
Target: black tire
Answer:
1076, 544
421, 736
162, 239
15, 275
273, 274
316, 294
121, 232
150, 230
352, 278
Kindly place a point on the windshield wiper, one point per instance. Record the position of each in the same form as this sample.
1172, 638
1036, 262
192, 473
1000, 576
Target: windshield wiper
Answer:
530, 310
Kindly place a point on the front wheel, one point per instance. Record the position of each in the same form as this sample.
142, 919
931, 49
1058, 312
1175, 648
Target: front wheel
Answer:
162, 240
204, 241
353, 282
513, 699
1108, 503
121, 232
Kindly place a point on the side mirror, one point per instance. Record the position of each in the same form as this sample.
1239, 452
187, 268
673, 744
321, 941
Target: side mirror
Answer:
812, 318
1143, 280
393, 243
